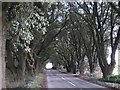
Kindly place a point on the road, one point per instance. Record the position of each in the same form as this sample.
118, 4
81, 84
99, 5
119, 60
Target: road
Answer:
57, 79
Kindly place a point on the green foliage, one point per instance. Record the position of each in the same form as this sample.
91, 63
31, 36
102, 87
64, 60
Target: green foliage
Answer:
112, 79
28, 18
25, 20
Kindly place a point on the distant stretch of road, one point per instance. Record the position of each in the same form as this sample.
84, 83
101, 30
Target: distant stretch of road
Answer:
57, 79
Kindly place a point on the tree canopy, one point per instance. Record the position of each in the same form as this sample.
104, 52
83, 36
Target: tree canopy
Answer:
63, 32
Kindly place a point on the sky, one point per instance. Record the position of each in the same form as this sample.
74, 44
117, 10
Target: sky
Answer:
49, 65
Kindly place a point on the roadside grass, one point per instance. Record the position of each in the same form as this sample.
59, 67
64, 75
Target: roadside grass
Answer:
112, 79
35, 82
113, 82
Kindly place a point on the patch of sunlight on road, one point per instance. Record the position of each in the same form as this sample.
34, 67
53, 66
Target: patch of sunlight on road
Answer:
49, 65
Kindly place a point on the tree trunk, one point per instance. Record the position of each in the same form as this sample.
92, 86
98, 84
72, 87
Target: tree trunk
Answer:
107, 71
106, 68
68, 68
73, 67
81, 67
36, 65
2, 55
23, 68
31, 63
92, 63
22, 64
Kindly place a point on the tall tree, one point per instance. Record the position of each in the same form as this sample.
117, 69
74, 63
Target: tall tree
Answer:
98, 26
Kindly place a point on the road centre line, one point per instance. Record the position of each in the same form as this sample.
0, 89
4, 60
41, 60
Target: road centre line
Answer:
68, 81
71, 83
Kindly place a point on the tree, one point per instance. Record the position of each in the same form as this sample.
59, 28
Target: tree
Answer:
21, 29
96, 24
28, 36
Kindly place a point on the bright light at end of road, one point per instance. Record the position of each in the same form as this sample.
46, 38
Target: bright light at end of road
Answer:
49, 65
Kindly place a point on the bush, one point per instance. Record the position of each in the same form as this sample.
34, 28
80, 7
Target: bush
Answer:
112, 79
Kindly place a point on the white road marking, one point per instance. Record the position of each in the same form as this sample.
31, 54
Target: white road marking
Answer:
77, 78
63, 78
71, 83
68, 81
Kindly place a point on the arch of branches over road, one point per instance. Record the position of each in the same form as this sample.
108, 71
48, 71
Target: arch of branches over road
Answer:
64, 32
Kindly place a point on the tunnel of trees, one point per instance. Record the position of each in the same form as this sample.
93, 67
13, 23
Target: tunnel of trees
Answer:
66, 33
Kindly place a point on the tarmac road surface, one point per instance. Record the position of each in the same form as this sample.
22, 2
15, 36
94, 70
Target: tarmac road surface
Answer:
57, 80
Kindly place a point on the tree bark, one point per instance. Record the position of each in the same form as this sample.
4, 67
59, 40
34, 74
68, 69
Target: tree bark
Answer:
36, 65
68, 68
73, 68
2, 55
31, 63
21, 64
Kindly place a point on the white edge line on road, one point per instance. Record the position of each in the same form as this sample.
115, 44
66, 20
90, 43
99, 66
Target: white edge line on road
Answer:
71, 83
